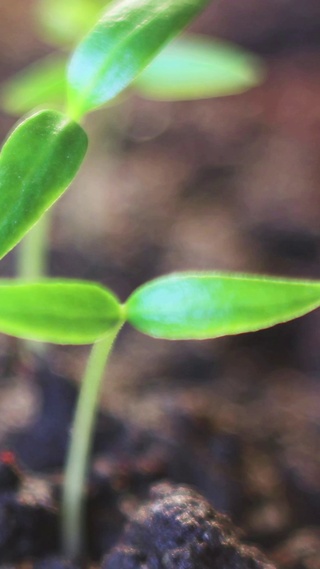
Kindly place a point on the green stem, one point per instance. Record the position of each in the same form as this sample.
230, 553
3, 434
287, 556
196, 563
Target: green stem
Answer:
80, 446
32, 263
33, 251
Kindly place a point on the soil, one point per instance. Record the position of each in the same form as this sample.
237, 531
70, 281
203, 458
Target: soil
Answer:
250, 452
187, 432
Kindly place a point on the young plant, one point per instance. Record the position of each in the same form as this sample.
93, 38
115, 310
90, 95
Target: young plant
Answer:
183, 306
37, 164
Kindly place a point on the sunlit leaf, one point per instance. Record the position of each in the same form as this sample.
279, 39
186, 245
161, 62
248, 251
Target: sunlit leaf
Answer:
62, 312
37, 164
196, 67
122, 43
198, 306
41, 84
62, 22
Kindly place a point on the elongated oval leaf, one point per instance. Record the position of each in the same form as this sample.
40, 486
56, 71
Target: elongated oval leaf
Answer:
196, 67
62, 312
37, 164
208, 305
39, 84
122, 43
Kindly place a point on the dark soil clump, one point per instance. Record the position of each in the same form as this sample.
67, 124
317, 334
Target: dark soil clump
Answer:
178, 529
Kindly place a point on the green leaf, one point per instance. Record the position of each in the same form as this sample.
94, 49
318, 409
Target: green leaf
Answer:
42, 83
208, 305
122, 43
196, 67
37, 164
62, 22
62, 312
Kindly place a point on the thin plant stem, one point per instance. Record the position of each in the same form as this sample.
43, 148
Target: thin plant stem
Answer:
32, 263
80, 446
33, 251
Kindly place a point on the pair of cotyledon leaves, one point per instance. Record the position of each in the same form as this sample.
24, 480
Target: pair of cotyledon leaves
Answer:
188, 68
193, 67
41, 158
175, 307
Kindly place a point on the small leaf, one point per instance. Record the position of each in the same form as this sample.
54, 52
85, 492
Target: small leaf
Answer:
62, 22
122, 43
39, 84
37, 164
208, 305
196, 67
62, 312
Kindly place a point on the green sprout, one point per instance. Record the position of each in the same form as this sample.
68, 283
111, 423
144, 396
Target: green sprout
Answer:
41, 158
183, 306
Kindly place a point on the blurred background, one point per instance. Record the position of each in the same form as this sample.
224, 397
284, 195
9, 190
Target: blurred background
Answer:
215, 184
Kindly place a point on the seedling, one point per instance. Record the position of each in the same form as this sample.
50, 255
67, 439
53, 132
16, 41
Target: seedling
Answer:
177, 307
38, 162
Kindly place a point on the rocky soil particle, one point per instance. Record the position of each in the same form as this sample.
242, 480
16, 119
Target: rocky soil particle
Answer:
178, 529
